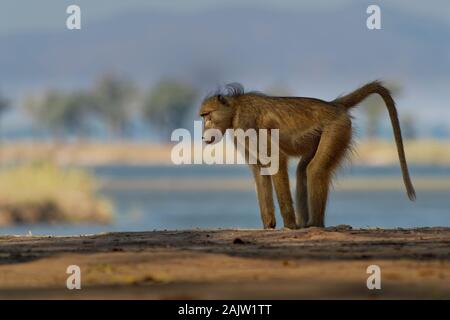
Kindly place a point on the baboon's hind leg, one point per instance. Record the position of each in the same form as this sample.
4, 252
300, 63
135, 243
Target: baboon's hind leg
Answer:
265, 197
301, 201
333, 146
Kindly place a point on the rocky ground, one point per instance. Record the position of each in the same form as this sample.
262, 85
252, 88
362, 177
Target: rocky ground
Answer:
240, 264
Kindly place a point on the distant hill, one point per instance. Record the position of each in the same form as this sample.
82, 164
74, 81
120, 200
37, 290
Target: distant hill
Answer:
251, 44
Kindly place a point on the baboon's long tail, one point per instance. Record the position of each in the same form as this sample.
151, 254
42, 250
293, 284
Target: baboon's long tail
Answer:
357, 96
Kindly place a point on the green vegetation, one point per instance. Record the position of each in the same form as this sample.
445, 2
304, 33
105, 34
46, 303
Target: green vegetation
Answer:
111, 101
59, 111
71, 112
4, 105
375, 109
46, 193
111, 96
168, 104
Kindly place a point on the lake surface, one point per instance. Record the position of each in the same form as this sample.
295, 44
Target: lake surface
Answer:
139, 208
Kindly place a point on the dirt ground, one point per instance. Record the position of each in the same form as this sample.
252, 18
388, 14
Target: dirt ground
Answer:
230, 264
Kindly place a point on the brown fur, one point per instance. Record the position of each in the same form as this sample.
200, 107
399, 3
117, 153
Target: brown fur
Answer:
318, 131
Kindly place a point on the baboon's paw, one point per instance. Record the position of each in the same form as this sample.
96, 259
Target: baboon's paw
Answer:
269, 226
315, 225
301, 225
290, 227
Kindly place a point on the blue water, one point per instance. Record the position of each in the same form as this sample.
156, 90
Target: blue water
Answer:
146, 172
139, 209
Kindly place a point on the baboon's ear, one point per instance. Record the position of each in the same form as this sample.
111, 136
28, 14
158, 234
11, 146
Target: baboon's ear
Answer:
223, 100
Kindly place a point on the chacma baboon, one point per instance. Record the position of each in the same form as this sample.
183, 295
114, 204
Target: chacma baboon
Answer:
318, 131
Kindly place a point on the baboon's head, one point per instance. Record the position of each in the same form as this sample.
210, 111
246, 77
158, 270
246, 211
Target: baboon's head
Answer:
218, 112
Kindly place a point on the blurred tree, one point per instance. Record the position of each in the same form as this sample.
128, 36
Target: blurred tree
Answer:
111, 97
4, 105
374, 108
168, 104
409, 126
60, 112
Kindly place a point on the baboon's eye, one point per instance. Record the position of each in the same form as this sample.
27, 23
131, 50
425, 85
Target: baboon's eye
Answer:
207, 116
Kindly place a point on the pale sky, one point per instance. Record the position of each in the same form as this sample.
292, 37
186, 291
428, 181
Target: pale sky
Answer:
26, 15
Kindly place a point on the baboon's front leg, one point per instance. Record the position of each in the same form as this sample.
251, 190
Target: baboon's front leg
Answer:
265, 198
281, 183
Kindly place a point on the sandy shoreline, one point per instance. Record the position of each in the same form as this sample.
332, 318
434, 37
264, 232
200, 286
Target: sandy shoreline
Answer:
94, 153
241, 264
